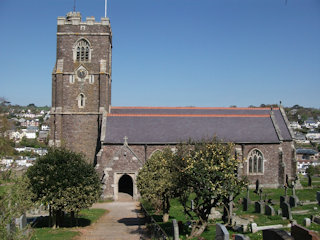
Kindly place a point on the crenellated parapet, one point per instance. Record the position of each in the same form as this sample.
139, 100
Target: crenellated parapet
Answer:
74, 18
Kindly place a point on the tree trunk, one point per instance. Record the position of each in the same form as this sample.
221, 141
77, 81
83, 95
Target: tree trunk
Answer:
198, 230
72, 218
77, 217
54, 218
50, 216
165, 209
309, 181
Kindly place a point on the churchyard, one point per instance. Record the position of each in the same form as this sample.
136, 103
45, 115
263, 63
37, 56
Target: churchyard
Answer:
253, 212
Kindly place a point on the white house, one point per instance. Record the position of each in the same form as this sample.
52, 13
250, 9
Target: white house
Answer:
313, 136
31, 134
295, 125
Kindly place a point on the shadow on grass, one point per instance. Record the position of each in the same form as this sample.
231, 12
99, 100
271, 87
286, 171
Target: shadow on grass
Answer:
43, 222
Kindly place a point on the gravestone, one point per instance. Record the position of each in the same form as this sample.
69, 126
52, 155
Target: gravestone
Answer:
22, 221
245, 204
221, 232
283, 199
259, 207
293, 201
257, 187
316, 219
286, 210
318, 197
241, 237
269, 210
276, 234
307, 222
192, 205
299, 232
175, 229
254, 227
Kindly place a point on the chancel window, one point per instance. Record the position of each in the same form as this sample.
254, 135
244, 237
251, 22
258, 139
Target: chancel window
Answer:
82, 51
255, 159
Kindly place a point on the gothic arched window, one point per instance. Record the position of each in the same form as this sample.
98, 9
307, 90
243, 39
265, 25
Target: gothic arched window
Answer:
255, 159
82, 51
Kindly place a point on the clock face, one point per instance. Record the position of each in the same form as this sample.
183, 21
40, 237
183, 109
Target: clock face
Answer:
82, 73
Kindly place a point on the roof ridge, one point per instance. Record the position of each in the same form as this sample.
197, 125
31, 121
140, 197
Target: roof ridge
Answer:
200, 108
186, 115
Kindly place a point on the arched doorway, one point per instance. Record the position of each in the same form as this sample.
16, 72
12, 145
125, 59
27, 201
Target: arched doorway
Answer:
126, 185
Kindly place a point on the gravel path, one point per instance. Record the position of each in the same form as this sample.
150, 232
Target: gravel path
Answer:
123, 222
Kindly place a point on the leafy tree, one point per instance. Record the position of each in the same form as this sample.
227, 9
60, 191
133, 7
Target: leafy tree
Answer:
65, 181
15, 201
156, 182
31, 143
6, 147
310, 172
208, 171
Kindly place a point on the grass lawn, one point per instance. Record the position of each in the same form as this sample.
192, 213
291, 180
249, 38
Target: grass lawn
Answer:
85, 218
176, 212
315, 181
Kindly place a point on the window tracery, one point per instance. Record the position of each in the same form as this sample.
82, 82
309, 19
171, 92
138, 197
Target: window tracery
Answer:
255, 159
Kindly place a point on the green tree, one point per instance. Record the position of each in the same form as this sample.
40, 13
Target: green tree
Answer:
311, 170
207, 171
156, 182
65, 181
15, 201
6, 148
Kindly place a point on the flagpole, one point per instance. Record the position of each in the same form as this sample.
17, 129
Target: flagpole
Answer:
105, 8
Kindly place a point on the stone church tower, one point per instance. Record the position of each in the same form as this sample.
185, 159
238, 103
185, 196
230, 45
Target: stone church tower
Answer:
81, 83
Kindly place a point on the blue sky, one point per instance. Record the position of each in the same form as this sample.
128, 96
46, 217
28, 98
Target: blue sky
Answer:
175, 52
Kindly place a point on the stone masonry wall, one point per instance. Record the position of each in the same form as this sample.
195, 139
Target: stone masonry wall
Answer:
118, 159
80, 134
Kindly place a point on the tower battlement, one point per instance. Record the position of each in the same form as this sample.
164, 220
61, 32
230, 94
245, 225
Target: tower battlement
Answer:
74, 18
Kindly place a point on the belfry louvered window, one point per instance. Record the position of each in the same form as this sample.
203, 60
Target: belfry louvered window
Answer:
83, 51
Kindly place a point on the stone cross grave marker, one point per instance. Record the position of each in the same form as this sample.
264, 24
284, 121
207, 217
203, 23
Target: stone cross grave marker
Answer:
293, 200
283, 199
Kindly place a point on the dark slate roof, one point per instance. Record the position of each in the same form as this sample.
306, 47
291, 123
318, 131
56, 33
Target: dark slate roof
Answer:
306, 151
164, 125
